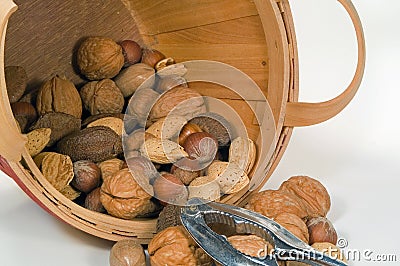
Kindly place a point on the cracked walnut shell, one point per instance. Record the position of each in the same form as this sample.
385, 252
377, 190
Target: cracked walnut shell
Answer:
251, 245
100, 58
310, 192
122, 196
173, 246
271, 203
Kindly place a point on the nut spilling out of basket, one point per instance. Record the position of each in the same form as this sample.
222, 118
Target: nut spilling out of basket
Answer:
134, 137
300, 205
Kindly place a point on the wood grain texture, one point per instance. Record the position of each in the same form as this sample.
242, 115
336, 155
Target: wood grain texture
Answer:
160, 16
11, 142
43, 36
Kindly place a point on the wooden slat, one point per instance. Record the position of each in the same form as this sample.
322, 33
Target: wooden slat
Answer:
158, 16
231, 54
245, 30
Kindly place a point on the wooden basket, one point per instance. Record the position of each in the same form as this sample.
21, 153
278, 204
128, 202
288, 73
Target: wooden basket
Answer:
256, 37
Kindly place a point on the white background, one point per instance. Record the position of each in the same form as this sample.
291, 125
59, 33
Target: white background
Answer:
356, 154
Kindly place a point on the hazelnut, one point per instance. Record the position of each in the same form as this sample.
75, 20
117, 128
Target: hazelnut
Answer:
151, 57
169, 189
86, 176
100, 58
187, 130
132, 52
92, 201
201, 146
321, 230
312, 194
24, 113
293, 224
127, 252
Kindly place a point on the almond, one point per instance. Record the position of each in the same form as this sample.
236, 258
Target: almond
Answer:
37, 140
162, 151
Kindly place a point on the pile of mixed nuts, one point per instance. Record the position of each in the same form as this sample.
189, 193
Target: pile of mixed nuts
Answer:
135, 140
132, 139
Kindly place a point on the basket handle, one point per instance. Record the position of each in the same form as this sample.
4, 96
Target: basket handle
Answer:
11, 141
305, 114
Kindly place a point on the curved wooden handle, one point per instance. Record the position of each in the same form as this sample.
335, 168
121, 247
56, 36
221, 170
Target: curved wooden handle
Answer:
305, 114
11, 141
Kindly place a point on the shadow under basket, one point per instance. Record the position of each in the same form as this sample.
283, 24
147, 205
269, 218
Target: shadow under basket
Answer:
256, 37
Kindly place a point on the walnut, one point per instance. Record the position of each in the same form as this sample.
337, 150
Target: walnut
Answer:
58, 170
122, 196
251, 245
100, 58
271, 203
293, 224
174, 246
311, 193
59, 95
102, 97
